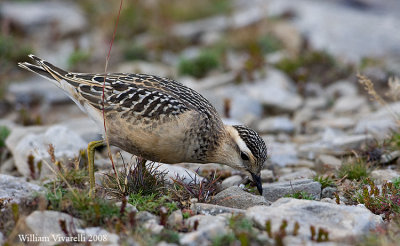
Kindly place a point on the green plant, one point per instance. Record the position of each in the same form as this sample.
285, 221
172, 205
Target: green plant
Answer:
152, 202
77, 57
200, 65
314, 66
300, 195
134, 52
135, 178
4, 133
354, 169
381, 201
201, 189
269, 44
77, 202
325, 181
396, 183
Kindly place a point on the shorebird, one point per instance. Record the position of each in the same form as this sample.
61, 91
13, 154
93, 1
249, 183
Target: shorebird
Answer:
158, 119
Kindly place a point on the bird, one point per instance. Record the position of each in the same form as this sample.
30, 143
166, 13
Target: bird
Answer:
157, 119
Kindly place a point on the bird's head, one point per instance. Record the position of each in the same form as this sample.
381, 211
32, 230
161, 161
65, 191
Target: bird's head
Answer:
245, 150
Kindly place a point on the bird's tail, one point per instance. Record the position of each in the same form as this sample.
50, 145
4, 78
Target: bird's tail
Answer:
44, 69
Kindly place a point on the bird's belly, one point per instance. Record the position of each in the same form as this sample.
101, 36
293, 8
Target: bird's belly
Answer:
166, 142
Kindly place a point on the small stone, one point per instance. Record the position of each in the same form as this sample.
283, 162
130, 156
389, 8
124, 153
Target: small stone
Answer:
205, 220
66, 143
283, 154
128, 207
46, 223
104, 237
275, 125
384, 175
328, 162
349, 104
340, 221
208, 229
267, 175
274, 191
16, 190
387, 158
205, 208
236, 197
175, 219
328, 192
234, 180
144, 216
300, 174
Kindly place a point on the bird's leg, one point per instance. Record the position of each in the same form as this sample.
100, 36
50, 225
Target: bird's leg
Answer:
90, 152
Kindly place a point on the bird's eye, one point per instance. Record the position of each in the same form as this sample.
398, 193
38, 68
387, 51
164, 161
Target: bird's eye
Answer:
244, 156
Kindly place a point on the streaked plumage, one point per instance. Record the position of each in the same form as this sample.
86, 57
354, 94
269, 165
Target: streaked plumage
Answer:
157, 118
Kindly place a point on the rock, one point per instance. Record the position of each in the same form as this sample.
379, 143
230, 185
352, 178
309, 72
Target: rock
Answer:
328, 192
36, 89
174, 171
300, 174
350, 104
2, 239
234, 180
336, 145
244, 16
7, 166
235, 197
103, 237
343, 123
384, 175
275, 125
381, 123
175, 219
144, 216
274, 191
66, 143
387, 158
276, 92
345, 38
211, 209
340, 221
44, 17
16, 190
328, 162
48, 225
341, 88
209, 227
147, 68
205, 220
267, 175
128, 207
242, 106
283, 154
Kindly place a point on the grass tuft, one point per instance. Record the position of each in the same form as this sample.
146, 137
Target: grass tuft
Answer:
199, 66
354, 169
300, 195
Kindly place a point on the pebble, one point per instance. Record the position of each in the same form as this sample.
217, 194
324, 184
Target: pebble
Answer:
340, 221
211, 209
234, 180
299, 174
235, 197
274, 191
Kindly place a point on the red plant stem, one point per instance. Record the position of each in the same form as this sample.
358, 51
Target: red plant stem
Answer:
103, 96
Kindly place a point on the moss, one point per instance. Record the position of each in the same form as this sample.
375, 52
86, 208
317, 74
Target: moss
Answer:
133, 52
4, 133
152, 203
325, 181
269, 44
200, 65
314, 66
300, 195
354, 169
77, 58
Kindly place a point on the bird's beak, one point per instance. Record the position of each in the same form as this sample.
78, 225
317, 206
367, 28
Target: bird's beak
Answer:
257, 180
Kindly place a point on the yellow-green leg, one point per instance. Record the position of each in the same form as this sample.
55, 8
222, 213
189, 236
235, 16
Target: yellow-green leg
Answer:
90, 152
